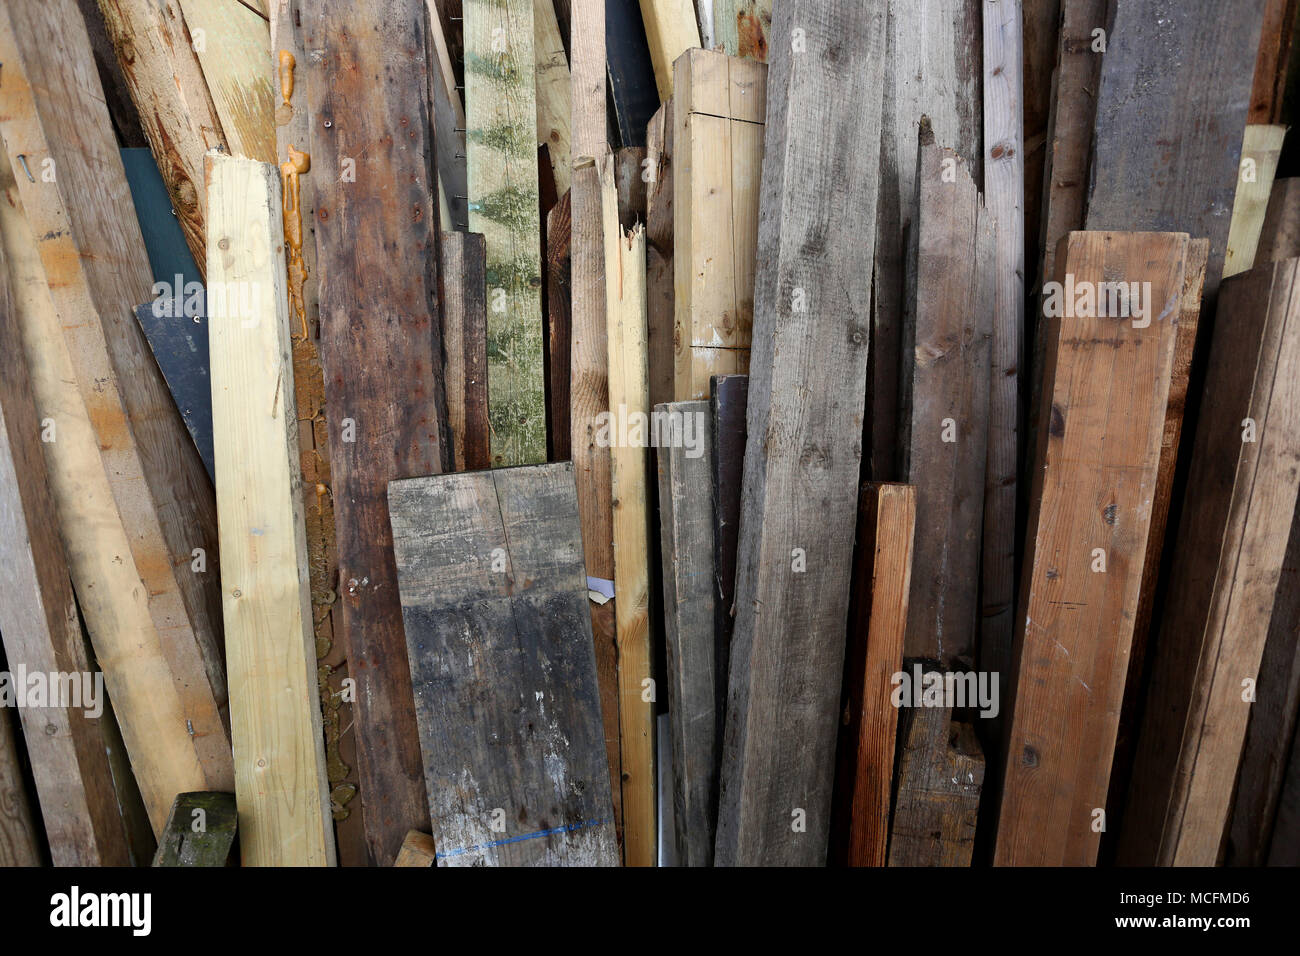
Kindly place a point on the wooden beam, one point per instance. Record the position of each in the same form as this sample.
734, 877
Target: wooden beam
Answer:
417, 850
660, 300
19, 837
1260, 148
743, 27
464, 344
494, 599
1105, 389
718, 114
670, 30
686, 537
95, 264
501, 114
201, 830
275, 721
1226, 568
1269, 87
1169, 130
865, 765
554, 92
381, 352
822, 138
728, 402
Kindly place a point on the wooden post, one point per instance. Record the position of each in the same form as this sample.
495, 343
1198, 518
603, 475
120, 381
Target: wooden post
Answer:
808, 378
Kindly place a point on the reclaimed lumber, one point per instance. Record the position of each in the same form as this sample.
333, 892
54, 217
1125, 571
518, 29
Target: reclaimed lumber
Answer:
633, 93
448, 111
1225, 572
494, 600
417, 850
19, 836
381, 356
464, 343
659, 229
718, 117
1279, 237
940, 776
1040, 29
808, 372
864, 774
1275, 40
728, 402
202, 830
670, 30
559, 325
173, 715
743, 27
1261, 147
554, 92
1105, 388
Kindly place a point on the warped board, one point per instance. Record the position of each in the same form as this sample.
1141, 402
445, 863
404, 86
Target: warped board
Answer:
1105, 389
1227, 563
660, 302
464, 343
554, 92
728, 401
808, 372
494, 600
201, 830
864, 774
501, 150
19, 839
940, 776
686, 536
670, 30
1171, 111
559, 324
173, 714
742, 27
381, 356
718, 115
275, 720
932, 70
1260, 148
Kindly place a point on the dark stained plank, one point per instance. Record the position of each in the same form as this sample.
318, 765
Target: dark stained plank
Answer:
381, 352
464, 343
1280, 237
559, 324
660, 300
1275, 42
494, 597
632, 89
201, 831
807, 389
728, 403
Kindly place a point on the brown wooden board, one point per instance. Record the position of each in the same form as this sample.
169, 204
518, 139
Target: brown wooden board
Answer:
559, 324
660, 300
728, 402
464, 343
20, 841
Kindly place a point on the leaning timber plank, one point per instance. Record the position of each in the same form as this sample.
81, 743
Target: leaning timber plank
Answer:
200, 831
19, 839
559, 324
1269, 88
554, 92
449, 122
742, 27
1040, 28
1004, 194
728, 402
806, 392
589, 357
464, 343
865, 765
42, 635
629, 396
946, 402
670, 30
176, 109
1280, 236
95, 263
501, 111
232, 43
381, 352
718, 114
494, 599
940, 776
1227, 564
1105, 388
1260, 148
659, 230
932, 69
417, 850
633, 92
686, 528
1169, 127
275, 721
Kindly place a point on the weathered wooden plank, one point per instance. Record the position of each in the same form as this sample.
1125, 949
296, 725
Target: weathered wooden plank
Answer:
728, 402
559, 325
940, 775
494, 599
686, 541
464, 344
743, 27
633, 92
1269, 87
931, 69
201, 830
1280, 236
806, 392
95, 264
500, 139
1040, 28
1224, 576
1105, 387
42, 636
381, 352
670, 30
1171, 111
1260, 148
554, 96
417, 850
448, 112
660, 301
275, 721
19, 838
718, 116
864, 773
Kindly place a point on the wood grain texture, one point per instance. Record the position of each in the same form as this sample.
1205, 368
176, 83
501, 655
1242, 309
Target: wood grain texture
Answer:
19, 832
1269, 88
1171, 110
940, 776
743, 27
42, 635
1040, 30
1226, 568
1279, 238
1260, 148
554, 92
932, 70
718, 115
94, 260
464, 344
659, 229
448, 110
728, 404
864, 775
806, 393
670, 30
381, 352
1105, 389
946, 388
494, 599
275, 720
633, 92
686, 542
417, 850
501, 146
201, 830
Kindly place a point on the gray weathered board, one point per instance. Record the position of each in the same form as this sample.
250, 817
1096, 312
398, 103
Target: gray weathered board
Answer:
494, 599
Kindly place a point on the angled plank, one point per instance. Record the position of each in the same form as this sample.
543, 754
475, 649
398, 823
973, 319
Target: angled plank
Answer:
1275, 39
554, 92
1261, 146
201, 830
940, 775
670, 30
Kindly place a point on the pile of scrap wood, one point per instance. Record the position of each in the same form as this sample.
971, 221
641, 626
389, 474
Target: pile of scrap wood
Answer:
646, 432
